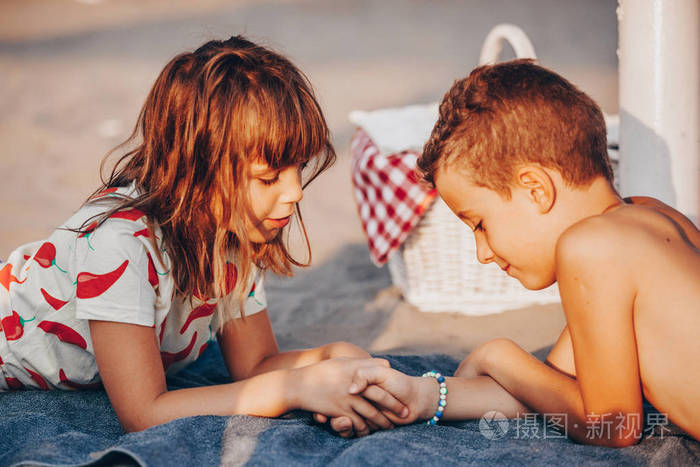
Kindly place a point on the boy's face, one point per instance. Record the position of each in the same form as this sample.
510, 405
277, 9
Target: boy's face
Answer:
507, 232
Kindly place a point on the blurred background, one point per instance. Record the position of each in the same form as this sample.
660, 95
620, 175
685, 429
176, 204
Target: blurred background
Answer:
74, 74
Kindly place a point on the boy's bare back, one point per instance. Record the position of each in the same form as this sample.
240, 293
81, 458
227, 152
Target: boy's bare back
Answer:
653, 257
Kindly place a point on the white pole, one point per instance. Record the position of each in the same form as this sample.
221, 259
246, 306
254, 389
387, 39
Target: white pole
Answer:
659, 53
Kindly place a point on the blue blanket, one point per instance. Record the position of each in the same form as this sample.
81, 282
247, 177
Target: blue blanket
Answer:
80, 428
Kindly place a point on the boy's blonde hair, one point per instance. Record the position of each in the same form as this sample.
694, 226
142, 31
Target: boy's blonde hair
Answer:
513, 113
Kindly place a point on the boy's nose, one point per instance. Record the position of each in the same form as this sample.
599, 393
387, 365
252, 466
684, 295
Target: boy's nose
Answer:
483, 250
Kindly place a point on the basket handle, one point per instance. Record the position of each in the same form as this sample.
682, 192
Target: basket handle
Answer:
493, 44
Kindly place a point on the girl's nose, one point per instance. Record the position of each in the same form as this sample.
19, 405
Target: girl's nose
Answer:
292, 192
483, 251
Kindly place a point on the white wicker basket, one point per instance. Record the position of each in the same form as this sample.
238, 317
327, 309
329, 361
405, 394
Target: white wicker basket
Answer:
436, 267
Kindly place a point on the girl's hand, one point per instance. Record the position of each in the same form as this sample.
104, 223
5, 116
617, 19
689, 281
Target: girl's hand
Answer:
342, 425
323, 388
420, 395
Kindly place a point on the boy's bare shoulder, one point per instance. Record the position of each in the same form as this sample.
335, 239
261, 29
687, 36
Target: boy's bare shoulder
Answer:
622, 238
681, 222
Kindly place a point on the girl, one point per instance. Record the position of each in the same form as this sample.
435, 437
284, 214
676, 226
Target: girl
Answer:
169, 253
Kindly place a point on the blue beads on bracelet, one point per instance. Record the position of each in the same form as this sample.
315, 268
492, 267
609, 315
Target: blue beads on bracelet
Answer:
442, 402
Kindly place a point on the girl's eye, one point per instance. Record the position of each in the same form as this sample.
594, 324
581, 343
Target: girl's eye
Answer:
479, 226
270, 181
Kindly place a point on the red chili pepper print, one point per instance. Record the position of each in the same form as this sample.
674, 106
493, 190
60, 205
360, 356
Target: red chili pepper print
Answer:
132, 214
152, 273
162, 329
204, 347
252, 294
13, 326
1, 362
231, 277
199, 312
73, 385
199, 296
169, 358
6, 277
37, 379
55, 303
93, 285
143, 233
104, 193
14, 383
64, 333
46, 256
88, 230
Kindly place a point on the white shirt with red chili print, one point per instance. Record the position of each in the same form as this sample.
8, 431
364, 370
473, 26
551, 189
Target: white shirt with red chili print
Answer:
50, 289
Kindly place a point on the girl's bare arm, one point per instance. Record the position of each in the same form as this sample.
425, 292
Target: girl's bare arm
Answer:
131, 369
249, 348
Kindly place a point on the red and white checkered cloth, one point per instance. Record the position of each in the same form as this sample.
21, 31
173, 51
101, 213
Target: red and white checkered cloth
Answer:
390, 199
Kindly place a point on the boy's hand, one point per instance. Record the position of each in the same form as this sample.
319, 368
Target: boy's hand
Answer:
419, 395
323, 389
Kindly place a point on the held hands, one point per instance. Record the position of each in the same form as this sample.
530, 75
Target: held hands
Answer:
375, 383
323, 388
390, 393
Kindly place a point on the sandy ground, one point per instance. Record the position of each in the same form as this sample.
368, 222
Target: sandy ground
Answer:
73, 75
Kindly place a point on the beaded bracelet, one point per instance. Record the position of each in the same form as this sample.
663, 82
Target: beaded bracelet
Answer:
442, 403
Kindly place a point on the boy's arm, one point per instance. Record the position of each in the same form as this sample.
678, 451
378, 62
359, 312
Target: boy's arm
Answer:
598, 289
604, 405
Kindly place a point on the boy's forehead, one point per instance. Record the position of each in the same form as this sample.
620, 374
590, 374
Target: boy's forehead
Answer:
448, 177
457, 189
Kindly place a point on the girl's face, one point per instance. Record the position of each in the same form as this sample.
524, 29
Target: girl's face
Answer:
273, 194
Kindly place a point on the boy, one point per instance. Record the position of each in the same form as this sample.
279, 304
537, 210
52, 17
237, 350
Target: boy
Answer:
519, 154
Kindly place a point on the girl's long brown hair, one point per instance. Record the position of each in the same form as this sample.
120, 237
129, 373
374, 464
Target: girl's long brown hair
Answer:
209, 114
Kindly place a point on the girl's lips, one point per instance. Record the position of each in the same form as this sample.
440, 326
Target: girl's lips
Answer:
279, 223
507, 269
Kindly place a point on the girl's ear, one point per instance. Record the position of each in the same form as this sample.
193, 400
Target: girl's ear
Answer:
538, 185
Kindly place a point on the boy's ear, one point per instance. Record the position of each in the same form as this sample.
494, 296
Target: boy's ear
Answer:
538, 185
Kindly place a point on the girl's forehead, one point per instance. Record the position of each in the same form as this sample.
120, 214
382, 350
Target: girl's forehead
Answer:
259, 166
